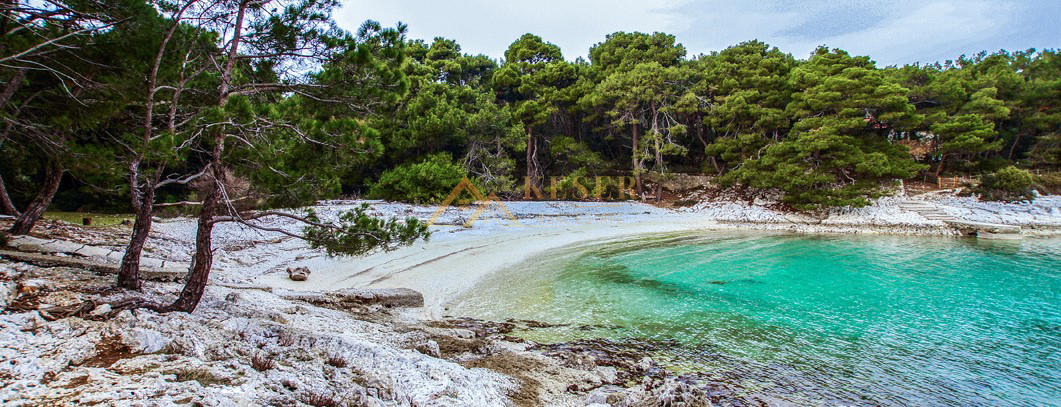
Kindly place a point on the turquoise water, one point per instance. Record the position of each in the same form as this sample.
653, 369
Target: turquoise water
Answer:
812, 320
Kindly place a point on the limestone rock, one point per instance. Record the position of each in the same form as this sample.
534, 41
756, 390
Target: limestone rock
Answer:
429, 348
298, 273
606, 395
34, 286
8, 293
141, 340
351, 297
9, 273
101, 310
391, 297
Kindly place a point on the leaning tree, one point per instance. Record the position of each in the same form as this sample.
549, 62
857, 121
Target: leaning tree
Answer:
51, 84
286, 132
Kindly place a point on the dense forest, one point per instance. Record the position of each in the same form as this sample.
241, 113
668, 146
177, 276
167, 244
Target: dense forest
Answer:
116, 94
225, 106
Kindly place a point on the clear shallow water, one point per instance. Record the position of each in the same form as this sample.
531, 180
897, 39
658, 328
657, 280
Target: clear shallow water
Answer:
811, 319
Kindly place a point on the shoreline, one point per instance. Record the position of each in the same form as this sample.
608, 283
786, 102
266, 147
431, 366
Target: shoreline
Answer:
456, 258
377, 353
443, 270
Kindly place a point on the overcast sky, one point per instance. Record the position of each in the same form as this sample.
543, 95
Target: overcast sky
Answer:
891, 32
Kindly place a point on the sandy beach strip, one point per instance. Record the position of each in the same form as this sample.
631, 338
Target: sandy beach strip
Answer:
456, 258
453, 261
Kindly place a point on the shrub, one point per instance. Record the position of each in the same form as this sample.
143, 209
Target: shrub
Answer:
262, 363
336, 361
286, 339
428, 181
321, 400
1007, 184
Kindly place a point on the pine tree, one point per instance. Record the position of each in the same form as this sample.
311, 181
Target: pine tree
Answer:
639, 75
748, 88
838, 152
530, 79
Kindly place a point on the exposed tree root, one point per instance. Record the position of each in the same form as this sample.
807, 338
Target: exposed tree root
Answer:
85, 308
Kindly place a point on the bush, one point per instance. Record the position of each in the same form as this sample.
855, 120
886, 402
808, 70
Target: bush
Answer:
1008, 184
316, 399
428, 181
336, 361
262, 363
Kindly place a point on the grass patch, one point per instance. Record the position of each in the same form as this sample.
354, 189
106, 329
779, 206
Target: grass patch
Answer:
98, 219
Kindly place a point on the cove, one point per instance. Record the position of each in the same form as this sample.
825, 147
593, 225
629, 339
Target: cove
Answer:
834, 320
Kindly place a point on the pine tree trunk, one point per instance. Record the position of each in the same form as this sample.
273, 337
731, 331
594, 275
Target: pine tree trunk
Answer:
703, 142
1013, 147
53, 174
633, 154
144, 200
532, 170
6, 206
12, 86
714, 163
659, 162
203, 260
129, 271
657, 144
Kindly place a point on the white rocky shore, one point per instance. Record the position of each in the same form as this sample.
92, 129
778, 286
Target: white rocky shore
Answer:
250, 344
240, 347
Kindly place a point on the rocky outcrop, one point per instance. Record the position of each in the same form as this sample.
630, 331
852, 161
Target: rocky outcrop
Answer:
357, 297
255, 346
65, 253
45, 260
240, 347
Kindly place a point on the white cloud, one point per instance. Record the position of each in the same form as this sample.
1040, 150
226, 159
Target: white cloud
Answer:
921, 35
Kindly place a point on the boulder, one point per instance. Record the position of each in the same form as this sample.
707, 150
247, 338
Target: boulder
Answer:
609, 395
35, 286
101, 310
298, 273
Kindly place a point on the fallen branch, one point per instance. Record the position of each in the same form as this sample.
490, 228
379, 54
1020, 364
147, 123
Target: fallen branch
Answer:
85, 308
